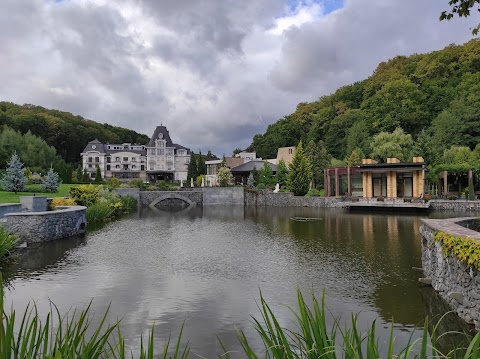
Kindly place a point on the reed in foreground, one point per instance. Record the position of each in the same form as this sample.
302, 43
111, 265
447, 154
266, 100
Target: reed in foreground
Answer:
74, 336
313, 339
7, 242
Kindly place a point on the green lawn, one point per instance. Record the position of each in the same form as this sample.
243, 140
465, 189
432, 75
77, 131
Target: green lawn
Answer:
10, 197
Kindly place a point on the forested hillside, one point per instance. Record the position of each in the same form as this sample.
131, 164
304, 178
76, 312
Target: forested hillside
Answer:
67, 133
433, 97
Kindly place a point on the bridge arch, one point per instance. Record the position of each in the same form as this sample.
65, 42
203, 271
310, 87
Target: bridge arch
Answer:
172, 196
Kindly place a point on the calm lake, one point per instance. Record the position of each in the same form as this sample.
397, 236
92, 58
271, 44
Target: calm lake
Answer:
207, 266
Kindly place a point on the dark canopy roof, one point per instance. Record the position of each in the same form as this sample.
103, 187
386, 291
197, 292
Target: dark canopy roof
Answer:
251, 165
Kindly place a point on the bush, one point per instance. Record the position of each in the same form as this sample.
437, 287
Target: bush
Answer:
98, 212
137, 183
452, 197
113, 182
62, 201
198, 182
85, 195
380, 199
129, 203
261, 186
7, 242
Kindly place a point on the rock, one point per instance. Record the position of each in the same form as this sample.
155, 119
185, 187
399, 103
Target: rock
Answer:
425, 281
457, 296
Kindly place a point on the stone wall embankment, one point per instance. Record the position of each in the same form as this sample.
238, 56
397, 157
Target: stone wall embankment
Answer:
287, 199
457, 283
223, 196
456, 205
49, 225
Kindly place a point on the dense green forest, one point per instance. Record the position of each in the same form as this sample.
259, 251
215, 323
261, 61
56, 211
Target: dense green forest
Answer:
67, 133
433, 97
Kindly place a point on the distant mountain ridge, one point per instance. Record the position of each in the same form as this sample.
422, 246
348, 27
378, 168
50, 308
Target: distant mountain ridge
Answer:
69, 134
435, 97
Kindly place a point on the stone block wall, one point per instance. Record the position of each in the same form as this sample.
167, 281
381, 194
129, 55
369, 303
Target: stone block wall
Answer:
9, 208
223, 195
45, 226
458, 284
287, 199
457, 205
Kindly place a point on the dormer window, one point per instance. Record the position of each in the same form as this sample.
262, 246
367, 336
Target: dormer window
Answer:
160, 143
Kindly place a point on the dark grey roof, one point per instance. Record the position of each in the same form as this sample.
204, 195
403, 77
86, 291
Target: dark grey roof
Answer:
180, 147
100, 147
250, 165
164, 134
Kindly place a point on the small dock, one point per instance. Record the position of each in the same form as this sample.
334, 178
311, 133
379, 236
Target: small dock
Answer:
388, 205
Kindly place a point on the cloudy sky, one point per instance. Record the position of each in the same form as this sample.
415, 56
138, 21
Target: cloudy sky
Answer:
215, 72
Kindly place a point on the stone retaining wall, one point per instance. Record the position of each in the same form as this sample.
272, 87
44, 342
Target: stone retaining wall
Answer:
45, 226
223, 195
458, 284
9, 208
456, 205
287, 199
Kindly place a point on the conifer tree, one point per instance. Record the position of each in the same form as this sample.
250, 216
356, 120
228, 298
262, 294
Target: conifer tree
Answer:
85, 177
300, 175
265, 174
52, 181
250, 181
98, 175
192, 168
281, 175
14, 180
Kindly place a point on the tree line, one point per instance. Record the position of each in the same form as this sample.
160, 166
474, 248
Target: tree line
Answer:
423, 104
67, 133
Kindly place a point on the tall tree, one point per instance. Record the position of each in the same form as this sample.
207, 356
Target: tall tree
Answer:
192, 170
98, 175
300, 175
265, 174
396, 144
281, 175
319, 159
355, 157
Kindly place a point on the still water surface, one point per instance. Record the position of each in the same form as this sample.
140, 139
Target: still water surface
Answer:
207, 266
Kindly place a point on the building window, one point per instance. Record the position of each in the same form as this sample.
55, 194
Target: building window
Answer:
134, 159
108, 167
97, 159
290, 151
160, 151
89, 166
134, 167
117, 166
169, 151
152, 151
125, 159
181, 152
89, 159
187, 160
117, 159
108, 159
142, 168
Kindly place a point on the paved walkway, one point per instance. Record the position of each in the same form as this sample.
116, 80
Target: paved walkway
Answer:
451, 226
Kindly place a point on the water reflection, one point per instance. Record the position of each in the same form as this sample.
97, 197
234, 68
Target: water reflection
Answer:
206, 266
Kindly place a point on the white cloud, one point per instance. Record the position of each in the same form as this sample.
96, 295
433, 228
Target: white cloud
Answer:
214, 72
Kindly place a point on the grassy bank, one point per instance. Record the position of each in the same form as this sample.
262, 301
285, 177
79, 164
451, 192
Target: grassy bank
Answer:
29, 337
10, 197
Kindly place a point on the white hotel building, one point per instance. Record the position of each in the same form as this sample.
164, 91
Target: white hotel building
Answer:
160, 159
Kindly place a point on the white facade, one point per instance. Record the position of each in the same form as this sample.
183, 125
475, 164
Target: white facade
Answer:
124, 161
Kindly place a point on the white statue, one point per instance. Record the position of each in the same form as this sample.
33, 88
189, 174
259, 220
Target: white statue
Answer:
203, 182
191, 182
181, 183
277, 188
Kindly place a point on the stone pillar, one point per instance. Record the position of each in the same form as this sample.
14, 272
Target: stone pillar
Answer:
391, 184
349, 180
337, 183
325, 182
445, 182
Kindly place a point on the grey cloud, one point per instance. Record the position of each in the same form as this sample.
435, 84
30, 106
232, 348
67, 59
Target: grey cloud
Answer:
213, 77
347, 45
